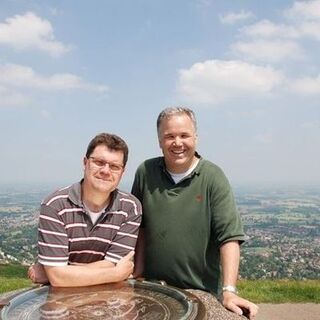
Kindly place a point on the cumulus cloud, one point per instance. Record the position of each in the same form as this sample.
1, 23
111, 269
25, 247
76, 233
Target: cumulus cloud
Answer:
17, 81
307, 10
259, 45
306, 85
266, 41
22, 76
310, 30
29, 31
268, 50
215, 81
235, 17
267, 29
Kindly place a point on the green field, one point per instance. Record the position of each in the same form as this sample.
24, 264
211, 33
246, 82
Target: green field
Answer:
14, 277
280, 291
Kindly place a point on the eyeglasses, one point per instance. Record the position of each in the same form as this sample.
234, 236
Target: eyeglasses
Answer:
99, 163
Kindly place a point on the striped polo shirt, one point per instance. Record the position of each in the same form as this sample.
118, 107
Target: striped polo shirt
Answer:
66, 234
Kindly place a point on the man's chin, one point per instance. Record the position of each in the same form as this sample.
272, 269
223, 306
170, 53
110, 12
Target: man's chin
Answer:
177, 165
104, 186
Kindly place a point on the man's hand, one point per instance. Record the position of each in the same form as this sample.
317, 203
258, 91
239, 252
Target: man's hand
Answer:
239, 305
37, 274
125, 266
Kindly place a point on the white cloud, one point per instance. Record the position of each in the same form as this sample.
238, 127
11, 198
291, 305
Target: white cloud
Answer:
310, 29
306, 85
267, 29
234, 17
214, 81
25, 77
308, 10
17, 80
269, 42
29, 31
268, 50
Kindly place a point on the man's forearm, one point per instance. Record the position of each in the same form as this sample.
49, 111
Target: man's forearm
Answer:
90, 274
81, 275
230, 259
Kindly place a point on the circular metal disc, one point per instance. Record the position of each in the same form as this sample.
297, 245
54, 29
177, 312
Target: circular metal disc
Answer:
128, 300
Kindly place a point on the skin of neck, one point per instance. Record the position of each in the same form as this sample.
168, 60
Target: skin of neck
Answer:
93, 200
182, 169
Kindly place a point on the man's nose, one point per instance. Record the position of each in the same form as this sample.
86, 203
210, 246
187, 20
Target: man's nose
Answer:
106, 168
177, 141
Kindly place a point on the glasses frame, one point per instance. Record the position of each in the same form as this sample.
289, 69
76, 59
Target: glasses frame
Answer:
113, 167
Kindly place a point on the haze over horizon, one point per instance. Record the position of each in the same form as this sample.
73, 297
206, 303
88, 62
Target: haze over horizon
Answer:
72, 69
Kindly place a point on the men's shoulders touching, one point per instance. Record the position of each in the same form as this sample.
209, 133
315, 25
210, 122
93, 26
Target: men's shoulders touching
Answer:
129, 202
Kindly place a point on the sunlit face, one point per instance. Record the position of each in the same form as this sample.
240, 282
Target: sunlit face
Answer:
178, 140
103, 169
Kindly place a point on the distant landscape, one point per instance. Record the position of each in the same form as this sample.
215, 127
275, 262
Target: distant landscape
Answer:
282, 227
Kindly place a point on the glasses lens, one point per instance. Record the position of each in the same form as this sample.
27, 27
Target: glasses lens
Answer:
99, 163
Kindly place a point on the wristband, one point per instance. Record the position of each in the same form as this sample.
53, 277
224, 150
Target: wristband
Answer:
230, 288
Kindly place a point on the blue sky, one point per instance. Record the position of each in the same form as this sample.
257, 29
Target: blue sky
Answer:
72, 69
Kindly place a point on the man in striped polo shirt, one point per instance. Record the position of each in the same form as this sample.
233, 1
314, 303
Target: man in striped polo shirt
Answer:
88, 231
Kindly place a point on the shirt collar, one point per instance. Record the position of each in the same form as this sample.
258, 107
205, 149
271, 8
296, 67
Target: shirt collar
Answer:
162, 163
75, 196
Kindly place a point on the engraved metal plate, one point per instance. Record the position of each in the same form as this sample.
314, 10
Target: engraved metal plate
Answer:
128, 300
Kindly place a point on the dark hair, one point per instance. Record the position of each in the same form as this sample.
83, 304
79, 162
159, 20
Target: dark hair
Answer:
172, 111
112, 141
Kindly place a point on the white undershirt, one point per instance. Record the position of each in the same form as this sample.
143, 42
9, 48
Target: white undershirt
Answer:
179, 176
94, 215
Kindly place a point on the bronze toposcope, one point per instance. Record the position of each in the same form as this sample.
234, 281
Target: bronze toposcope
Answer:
129, 300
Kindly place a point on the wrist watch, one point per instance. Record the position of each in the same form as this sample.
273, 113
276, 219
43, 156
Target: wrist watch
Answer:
230, 288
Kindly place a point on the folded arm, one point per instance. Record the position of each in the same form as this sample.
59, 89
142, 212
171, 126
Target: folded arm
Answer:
83, 275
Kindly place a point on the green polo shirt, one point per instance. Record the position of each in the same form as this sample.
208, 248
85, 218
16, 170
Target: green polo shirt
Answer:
186, 223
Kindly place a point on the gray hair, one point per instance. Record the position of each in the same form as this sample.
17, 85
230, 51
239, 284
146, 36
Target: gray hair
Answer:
172, 111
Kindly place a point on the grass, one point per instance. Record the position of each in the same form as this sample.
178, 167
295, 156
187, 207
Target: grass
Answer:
14, 277
280, 291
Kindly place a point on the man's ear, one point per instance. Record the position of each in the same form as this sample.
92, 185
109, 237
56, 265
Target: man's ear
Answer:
85, 160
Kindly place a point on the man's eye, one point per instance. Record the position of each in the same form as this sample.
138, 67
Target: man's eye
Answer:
114, 167
99, 163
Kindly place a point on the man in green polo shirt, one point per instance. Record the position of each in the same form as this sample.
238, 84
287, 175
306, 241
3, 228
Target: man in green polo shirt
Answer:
192, 230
